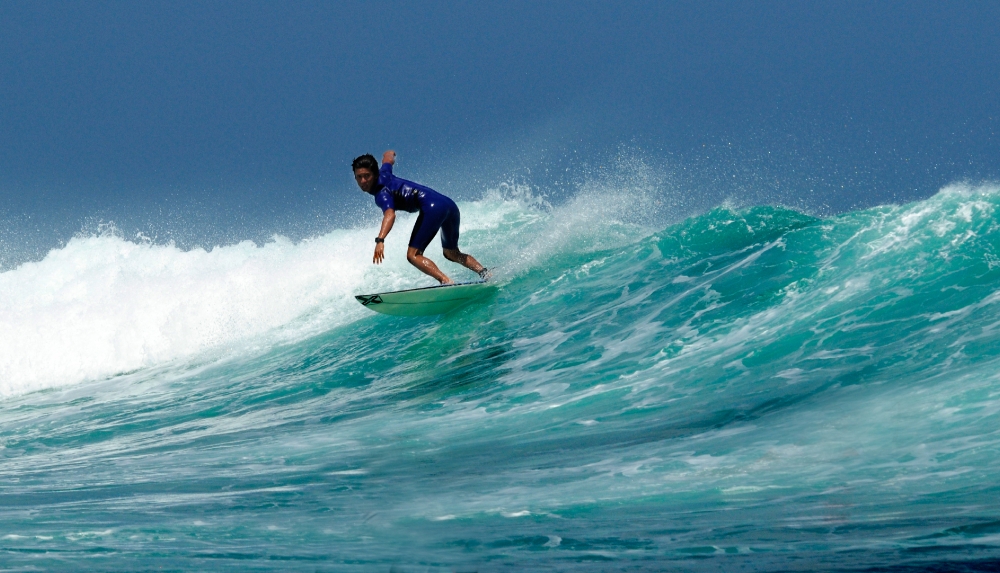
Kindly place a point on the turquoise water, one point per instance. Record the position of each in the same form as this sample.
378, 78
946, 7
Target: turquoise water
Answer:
748, 389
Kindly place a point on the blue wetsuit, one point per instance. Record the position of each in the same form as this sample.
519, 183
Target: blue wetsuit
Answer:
436, 210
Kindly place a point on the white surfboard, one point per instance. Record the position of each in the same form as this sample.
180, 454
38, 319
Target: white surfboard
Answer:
426, 301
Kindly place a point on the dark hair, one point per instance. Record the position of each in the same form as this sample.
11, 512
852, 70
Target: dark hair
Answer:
366, 161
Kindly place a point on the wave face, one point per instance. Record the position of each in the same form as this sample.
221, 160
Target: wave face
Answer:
747, 388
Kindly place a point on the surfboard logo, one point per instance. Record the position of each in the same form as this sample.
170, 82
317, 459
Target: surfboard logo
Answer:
369, 299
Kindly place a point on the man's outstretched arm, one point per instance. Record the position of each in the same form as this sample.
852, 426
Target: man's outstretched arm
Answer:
387, 220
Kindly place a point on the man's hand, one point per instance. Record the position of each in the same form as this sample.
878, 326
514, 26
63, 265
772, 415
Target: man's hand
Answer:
389, 157
388, 218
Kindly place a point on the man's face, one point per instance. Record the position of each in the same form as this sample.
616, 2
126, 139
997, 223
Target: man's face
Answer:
365, 178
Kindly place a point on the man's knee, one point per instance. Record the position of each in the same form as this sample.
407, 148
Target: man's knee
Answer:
454, 255
413, 255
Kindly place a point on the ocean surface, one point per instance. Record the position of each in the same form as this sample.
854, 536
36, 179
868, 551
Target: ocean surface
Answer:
749, 388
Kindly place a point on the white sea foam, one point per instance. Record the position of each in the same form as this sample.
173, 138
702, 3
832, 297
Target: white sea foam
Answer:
104, 305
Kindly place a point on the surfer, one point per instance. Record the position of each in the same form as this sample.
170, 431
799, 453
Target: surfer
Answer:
437, 212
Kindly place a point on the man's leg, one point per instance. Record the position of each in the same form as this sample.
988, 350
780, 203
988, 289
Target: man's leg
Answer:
449, 243
467, 261
427, 225
425, 265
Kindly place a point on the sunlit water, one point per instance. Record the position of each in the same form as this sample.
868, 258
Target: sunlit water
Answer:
754, 388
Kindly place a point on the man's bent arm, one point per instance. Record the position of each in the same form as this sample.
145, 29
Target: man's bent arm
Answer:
387, 220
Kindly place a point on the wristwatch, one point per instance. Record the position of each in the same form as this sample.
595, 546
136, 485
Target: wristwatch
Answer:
379, 240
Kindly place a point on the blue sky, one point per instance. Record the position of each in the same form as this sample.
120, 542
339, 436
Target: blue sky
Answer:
192, 111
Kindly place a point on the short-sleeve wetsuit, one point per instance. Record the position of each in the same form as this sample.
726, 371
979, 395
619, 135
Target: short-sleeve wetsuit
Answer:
436, 210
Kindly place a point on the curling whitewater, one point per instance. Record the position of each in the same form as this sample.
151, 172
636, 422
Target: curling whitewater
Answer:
749, 387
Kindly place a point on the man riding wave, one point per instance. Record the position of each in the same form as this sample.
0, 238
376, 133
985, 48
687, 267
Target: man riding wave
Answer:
437, 212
